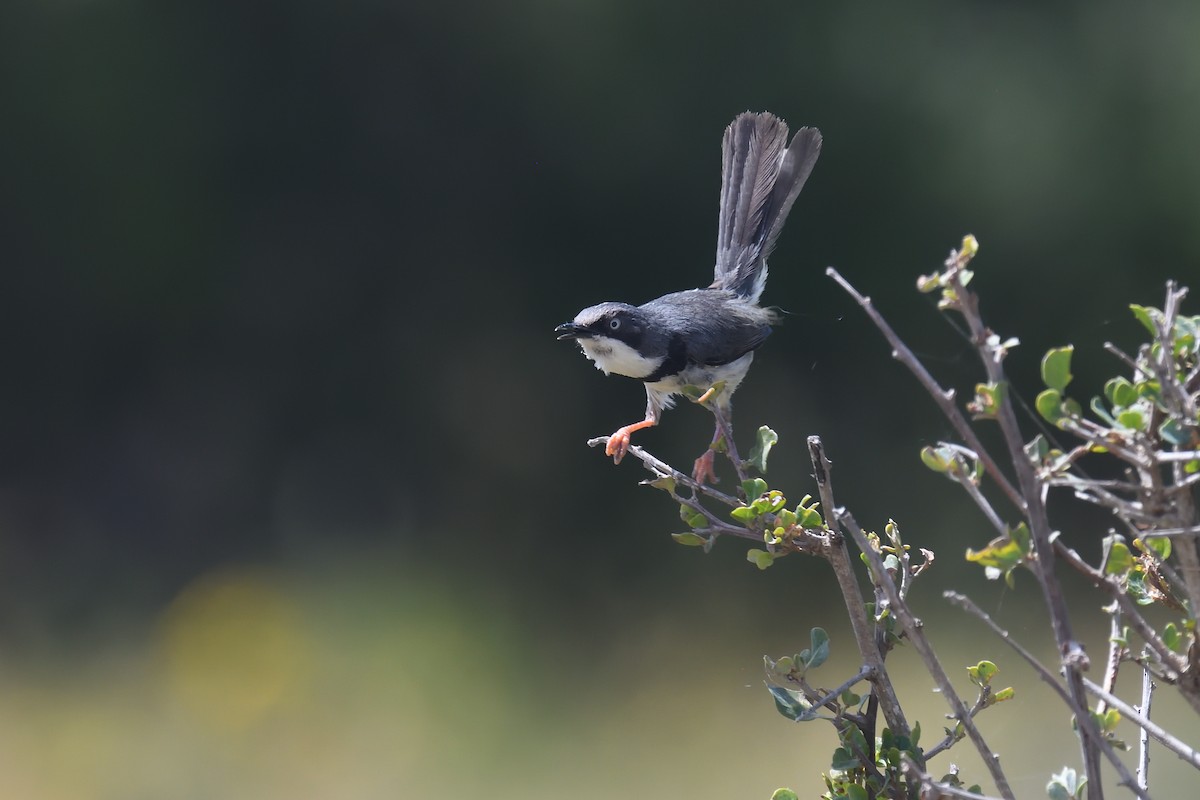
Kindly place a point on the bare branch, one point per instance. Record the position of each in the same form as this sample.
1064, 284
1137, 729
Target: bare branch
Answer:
1081, 712
916, 634
931, 789
944, 398
839, 558
1161, 736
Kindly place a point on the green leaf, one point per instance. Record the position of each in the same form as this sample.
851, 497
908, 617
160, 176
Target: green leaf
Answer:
1171, 637
1150, 390
1132, 419
1159, 545
818, 649
850, 699
1056, 367
981, 674
810, 517
1174, 432
788, 703
760, 558
1120, 560
937, 459
855, 792
743, 514
1100, 411
988, 397
1049, 405
1021, 536
665, 482
1063, 785
784, 794
1004, 694
1146, 316
1120, 392
690, 539
1001, 554
767, 439
754, 488
843, 760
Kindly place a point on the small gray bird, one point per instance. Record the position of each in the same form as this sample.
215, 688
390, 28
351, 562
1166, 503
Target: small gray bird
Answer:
700, 337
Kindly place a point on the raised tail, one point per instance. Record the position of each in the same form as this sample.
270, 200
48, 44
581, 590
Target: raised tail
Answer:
761, 177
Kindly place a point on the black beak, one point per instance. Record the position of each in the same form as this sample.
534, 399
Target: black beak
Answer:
569, 330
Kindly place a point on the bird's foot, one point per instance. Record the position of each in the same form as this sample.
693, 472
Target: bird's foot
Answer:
702, 470
618, 443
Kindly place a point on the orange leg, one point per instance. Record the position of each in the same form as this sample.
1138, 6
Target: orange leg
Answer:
618, 443
702, 470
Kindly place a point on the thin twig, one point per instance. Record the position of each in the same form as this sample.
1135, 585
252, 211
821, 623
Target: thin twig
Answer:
839, 559
1167, 740
863, 674
1143, 768
944, 398
665, 470
916, 635
1081, 712
931, 789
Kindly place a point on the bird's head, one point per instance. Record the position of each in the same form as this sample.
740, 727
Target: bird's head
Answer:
612, 335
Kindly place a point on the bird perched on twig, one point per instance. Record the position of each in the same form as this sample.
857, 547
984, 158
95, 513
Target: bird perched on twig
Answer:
702, 337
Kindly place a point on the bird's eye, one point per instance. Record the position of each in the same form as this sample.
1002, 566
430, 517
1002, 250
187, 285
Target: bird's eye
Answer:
614, 323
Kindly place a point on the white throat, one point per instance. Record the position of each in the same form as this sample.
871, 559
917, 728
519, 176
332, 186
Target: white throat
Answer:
614, 356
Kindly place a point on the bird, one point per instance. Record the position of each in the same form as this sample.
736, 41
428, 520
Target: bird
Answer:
707, 336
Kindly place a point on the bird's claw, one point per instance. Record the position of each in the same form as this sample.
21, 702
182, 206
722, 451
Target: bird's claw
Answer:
702, 470
618, 445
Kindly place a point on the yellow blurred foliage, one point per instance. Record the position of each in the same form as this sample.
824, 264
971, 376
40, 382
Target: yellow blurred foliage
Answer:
233, 647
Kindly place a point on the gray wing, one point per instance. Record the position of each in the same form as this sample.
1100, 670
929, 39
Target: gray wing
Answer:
760, 181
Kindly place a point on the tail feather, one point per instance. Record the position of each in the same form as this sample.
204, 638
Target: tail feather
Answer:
759, 183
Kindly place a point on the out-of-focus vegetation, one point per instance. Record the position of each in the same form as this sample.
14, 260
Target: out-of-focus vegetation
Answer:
279, 281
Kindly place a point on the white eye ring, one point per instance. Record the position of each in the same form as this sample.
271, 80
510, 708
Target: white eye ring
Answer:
614, 323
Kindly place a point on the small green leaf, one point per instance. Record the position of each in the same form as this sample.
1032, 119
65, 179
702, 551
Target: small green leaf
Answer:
755, 487
1120, 392
743, 514
1159, 545
819, 648
767, 439
981, 674
1100, 411
850, 699
1132, 419
788, 703
1171, 637
784, 794
937, 459
1174, 432
1004, 694
1146, 316
664, 482
856, 792
760, 558
690, 539
843, 760
1049, 405
1056, 367
1021, 536
1120, 560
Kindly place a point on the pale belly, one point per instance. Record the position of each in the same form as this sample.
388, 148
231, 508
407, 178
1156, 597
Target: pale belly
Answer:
660, 392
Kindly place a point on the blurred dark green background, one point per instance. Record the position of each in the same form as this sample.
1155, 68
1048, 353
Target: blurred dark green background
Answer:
295, 501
